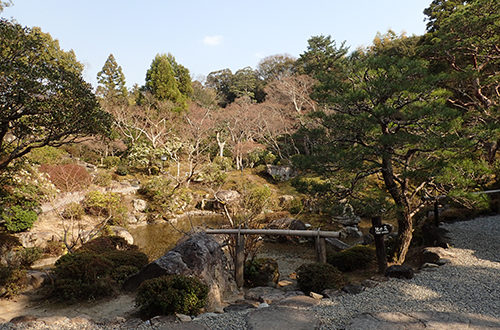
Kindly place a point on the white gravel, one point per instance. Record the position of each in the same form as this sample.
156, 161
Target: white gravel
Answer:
469, 284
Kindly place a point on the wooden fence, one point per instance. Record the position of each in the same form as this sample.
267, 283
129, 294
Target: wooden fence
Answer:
319, 235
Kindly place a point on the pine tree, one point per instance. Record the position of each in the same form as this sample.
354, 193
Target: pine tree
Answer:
112, 82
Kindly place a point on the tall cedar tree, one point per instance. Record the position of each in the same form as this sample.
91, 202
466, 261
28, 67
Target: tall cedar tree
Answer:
111, 82
384, 120
162, 83
43, 97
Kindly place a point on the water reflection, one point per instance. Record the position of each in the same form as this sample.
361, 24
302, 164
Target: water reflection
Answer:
156, 239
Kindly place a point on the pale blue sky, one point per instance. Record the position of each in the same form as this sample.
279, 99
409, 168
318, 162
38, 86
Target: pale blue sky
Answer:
208, 35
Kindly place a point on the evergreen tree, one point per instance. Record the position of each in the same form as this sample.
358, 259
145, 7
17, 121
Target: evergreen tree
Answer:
182, 77
111, 82
162, 84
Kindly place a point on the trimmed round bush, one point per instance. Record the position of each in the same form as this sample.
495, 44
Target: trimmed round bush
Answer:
171, 294
317, 277
261, 272
97, 269
81, 276
357, 257
104, 244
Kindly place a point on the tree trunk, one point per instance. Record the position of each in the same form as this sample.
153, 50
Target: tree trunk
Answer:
405, 233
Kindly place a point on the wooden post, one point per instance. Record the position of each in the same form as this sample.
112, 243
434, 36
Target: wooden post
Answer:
320, 249
239, 263
436, 212
380, 246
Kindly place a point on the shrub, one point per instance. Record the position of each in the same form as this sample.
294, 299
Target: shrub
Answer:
46, 155
224, 163
54, 248
28, 256
83, 276
317, 277
111, 161
162, 197
171, 294
73, 211
261, 272
18, 219
103, 179
107, 204
357, 257
12, 281
68, 177
122, 170
295, 206
126, 258
104, 244
97, 269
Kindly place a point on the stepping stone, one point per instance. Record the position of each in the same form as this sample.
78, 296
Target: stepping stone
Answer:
277, 318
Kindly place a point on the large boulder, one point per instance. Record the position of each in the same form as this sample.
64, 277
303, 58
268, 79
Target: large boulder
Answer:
288, 224
279, 172
199, 255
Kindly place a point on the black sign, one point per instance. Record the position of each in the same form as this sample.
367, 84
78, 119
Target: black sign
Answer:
381, 230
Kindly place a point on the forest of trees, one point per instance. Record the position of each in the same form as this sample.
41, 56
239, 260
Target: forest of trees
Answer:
389, 127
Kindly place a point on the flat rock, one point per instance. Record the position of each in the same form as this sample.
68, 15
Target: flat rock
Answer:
258, 292
239, 306
337, 244
369, 283
282, 318
315, 295
332, 293
353, 289
298, 302
399, 271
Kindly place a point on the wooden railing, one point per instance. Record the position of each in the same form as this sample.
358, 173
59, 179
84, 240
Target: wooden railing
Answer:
240, 243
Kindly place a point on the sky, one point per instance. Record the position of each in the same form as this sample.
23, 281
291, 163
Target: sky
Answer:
208, 35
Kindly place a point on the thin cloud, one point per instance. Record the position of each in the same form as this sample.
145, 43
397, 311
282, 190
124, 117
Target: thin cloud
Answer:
212, 40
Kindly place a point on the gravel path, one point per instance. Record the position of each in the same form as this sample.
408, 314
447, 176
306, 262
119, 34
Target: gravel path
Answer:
469, 284
467, 287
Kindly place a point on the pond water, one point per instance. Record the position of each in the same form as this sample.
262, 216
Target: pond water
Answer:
156, 239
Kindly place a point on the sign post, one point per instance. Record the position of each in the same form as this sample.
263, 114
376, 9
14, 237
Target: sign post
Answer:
379, 230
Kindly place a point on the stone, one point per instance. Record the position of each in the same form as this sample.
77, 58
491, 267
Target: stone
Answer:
36, 239
183, 317
280, 172
140, 205
353, 288
285, 223
258, 292
315, 295
284, 199
239, 306
347, 220
122, 232
198, 255
263, 305
369, 283
227, 196
293, 293
272, 298
337, 244
284, 283
45, 263
433, 254
299, 301
429, 265
36, 279
443, 261
281, 318
52, 320
351, 232
23, 319
399, 271
332, 293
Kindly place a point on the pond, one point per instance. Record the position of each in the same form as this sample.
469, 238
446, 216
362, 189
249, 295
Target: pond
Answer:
156, 239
